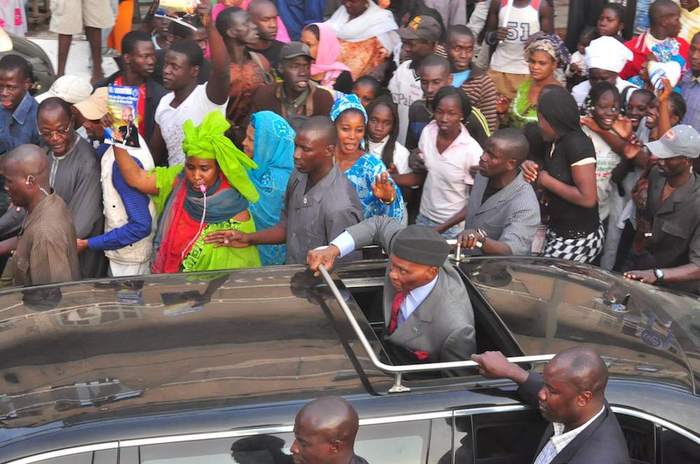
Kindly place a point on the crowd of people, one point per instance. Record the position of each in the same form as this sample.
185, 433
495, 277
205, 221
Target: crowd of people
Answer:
265, 131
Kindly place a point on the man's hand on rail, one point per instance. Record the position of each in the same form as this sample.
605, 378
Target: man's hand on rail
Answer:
493, 365
322, 255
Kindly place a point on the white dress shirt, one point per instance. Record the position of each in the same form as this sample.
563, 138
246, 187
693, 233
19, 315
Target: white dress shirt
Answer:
346, 244
560, 440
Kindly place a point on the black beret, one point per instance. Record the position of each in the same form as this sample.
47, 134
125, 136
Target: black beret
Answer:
422, 245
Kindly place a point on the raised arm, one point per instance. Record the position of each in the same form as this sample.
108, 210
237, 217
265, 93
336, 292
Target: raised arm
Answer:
135, 177
220, 81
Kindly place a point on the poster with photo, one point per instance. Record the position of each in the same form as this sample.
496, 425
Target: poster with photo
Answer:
123, 108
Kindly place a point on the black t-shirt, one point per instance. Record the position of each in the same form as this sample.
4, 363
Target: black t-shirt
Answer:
271, 53
567, 219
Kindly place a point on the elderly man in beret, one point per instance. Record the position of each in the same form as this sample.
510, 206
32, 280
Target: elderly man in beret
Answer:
427, 313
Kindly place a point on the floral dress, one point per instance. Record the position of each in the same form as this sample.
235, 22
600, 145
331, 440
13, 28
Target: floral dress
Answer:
521, 110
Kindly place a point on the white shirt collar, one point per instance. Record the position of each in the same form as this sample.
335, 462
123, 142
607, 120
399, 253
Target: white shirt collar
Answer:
416, 296
560, 439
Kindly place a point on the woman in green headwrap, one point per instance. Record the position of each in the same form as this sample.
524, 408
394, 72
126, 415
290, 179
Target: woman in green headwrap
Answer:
186, 213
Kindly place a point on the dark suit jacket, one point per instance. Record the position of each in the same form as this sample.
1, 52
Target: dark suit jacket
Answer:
602, 442
443, 324
130, 135
154, 92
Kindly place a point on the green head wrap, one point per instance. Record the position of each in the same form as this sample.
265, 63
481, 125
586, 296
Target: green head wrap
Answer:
207, 141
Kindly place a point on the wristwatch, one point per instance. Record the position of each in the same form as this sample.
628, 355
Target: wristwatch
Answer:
659, 273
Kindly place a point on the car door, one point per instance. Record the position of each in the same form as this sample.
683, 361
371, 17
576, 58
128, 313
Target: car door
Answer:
497, 435
382, 440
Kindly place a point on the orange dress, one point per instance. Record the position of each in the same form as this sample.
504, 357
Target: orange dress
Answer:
362, 57
122, 26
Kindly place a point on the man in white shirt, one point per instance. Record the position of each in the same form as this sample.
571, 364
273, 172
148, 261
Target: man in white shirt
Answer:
418, 40
571, 395
187, 100
427, 312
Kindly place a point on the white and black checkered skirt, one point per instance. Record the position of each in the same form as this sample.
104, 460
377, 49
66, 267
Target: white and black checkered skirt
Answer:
581, 250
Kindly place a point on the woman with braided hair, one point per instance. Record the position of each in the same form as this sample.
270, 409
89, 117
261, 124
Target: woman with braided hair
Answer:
210, 192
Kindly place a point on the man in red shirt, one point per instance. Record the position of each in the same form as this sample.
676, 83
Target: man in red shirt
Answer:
664, 23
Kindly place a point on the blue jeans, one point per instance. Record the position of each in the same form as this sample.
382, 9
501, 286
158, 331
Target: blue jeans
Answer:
452, 232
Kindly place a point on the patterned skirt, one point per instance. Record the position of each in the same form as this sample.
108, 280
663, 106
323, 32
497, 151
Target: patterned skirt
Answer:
581, 250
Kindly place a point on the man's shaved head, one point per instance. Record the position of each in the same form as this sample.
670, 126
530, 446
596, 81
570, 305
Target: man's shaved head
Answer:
255, 5
26, 171
320, 126
28, 160
512, 143
585, 369
325, 431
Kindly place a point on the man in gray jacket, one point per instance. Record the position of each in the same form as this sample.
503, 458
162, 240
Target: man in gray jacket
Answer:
427, 313
503, 212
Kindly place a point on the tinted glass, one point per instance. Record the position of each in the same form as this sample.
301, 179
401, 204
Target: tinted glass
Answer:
250, 335
82, 458
400, 443
640, 436
498, 438
551, 305
676, 448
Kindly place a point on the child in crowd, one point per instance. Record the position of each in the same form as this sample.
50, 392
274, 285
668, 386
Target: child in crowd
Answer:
382, 132
577, 71
367, 88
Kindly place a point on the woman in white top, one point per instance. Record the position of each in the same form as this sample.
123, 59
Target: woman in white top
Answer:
510, 23
449, 154
603, 112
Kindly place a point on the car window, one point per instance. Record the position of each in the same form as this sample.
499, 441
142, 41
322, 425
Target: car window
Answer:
639, 435
81, 458
400, 443
677, 448
498, 438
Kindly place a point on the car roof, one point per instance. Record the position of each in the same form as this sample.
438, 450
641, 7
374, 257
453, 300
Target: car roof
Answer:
79, 351
549, 305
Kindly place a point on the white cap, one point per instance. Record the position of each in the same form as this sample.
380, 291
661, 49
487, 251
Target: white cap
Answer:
607, 53
72, 89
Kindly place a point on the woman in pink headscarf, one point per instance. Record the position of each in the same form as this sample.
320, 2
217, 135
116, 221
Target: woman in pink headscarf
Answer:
282, 34
325, 50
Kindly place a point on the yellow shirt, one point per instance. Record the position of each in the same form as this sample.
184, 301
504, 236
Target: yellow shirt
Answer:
690, 23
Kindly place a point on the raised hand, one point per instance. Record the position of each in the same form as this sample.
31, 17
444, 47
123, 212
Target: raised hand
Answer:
494, 365
383, 188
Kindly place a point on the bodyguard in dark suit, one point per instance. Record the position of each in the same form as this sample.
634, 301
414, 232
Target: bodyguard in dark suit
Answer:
427, 312
503, 212
571, 395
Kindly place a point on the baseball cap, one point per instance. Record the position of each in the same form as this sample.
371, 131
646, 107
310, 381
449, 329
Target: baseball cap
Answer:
69, 88
680, 140
422, 27
94, 107
294, 49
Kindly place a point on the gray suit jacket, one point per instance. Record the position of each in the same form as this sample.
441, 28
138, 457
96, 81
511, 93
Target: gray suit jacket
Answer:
443, 324
510, 215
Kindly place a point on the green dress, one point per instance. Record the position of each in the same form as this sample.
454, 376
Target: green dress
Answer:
521, 111
203, 256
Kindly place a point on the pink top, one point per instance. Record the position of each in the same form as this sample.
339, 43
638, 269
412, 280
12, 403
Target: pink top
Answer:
326, 61
282, 34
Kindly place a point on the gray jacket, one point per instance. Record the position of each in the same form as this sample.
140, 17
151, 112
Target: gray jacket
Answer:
510, 215
443, 324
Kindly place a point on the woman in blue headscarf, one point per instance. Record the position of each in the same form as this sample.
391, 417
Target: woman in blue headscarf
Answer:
375, 188
270, 142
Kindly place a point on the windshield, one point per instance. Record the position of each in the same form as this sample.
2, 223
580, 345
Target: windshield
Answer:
550, 305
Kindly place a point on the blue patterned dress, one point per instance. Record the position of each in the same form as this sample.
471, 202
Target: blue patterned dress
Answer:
362, 176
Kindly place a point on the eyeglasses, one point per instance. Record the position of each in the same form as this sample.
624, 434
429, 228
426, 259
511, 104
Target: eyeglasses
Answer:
60, 133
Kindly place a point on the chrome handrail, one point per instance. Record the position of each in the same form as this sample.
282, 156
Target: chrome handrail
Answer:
398, 371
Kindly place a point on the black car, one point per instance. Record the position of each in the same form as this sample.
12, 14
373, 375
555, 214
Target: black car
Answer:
212, 367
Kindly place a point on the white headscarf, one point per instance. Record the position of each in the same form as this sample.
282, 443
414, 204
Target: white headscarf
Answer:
607, 53
374, 22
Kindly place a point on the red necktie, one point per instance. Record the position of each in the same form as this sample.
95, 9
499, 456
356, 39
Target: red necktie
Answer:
395, 308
